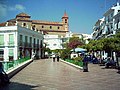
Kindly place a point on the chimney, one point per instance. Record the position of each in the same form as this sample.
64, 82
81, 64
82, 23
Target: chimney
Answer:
117, 3
16, 22
6, 24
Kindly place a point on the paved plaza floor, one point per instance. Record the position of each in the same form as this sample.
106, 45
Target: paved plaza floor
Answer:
44, 74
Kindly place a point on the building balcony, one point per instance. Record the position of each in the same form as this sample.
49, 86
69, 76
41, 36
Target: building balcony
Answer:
25, 44
36, 45
21, 44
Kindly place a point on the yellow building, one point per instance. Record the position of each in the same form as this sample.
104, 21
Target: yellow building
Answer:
54, 28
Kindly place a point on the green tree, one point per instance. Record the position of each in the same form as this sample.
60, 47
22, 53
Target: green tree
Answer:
48, 50
65, 53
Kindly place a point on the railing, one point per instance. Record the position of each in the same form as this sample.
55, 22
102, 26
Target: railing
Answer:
12, 64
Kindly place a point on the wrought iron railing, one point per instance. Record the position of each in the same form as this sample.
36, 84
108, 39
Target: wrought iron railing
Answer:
12, 64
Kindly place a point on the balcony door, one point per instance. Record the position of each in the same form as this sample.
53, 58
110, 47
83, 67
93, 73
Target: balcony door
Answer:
1, 54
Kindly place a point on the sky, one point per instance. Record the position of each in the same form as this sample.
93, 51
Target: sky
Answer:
82, 13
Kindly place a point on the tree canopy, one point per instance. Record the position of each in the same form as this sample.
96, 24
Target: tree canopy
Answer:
106, 44
74, 42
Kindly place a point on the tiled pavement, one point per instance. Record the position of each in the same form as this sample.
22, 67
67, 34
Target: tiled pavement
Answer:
48, 75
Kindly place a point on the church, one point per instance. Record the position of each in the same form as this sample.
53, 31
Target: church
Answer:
47, 27
54, 32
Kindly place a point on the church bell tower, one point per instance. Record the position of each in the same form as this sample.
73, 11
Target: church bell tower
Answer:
65, 21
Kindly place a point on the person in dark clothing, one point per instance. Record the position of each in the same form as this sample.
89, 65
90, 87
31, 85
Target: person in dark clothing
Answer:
110, 62
53, 57
85, 64
3, 76
58, 58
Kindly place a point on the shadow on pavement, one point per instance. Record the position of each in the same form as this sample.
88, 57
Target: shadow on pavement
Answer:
18, 86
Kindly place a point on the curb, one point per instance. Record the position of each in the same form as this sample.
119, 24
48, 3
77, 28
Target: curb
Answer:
15, 70
78, 67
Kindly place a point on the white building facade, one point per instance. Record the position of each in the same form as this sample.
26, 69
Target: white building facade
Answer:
19, 42
53, 42
106, 27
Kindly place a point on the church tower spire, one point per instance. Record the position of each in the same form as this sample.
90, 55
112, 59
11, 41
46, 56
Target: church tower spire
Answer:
65, 21
65, 18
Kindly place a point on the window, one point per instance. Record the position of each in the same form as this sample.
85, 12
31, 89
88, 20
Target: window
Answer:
42, 26
50, 27
30, 41
1, 54
11, 39
37, 41
111, 15
21, 40
34, 42
65, 20
11, 54
58, 27
24, 24
1, 39
54, 44
21, 37
26, 40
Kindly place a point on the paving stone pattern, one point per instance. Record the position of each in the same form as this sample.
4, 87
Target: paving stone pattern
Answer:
44, 74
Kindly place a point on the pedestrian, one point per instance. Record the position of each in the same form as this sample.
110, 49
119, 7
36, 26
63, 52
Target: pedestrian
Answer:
85, 64
3, 76
53, 57
33, 56
57, 58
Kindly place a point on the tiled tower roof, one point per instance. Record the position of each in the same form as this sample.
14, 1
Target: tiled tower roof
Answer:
22, 15
65, 15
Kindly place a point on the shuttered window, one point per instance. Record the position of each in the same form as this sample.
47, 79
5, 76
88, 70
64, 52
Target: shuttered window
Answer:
11, 39
10, 52
1, 39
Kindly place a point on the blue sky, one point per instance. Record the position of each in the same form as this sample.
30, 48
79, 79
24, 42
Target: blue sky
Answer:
82, 13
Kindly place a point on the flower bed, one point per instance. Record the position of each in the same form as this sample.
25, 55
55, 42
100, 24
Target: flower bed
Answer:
79, 63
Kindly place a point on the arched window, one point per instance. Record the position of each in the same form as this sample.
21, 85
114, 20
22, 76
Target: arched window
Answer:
24, 24
50, 27
58, 27
42, 26
65, 20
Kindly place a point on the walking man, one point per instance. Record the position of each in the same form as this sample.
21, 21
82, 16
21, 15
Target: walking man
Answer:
85, 64
53, 57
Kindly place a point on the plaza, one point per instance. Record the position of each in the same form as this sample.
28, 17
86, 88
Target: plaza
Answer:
43, 74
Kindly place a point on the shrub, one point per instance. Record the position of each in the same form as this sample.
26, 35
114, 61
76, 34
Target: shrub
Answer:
78, 59
65, 54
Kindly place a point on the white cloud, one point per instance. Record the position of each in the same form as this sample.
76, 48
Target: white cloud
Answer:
17, 7
3, 10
